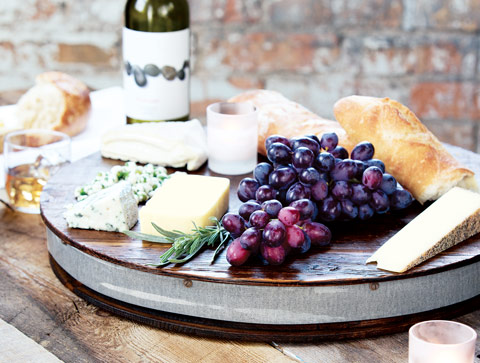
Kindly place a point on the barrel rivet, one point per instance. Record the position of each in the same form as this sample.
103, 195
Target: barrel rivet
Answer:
187, 283
374, 285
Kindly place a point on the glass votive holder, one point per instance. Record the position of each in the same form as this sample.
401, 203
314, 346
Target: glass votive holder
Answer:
441, 341
31, 157
232, 137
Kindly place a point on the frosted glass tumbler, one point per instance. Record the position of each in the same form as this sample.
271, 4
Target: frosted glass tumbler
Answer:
441, 341
232, 137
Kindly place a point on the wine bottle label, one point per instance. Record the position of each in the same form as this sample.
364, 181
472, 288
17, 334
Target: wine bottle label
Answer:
156, 74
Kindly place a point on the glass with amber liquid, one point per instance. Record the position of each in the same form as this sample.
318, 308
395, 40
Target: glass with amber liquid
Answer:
31, 158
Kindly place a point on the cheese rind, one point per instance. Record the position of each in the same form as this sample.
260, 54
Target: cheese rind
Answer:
450, 220
184, 199
112, 209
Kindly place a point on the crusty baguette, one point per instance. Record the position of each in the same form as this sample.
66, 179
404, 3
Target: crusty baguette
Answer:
411, 153
57, 102
278, 115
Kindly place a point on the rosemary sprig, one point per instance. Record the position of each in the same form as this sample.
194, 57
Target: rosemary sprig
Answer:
186, 245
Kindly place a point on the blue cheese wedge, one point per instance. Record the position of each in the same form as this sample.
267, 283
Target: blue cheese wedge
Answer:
453, 218
112, 209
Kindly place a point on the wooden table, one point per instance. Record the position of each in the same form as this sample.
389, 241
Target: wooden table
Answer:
38, 305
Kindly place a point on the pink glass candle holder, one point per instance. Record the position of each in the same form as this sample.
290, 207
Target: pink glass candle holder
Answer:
441, 341
232, 137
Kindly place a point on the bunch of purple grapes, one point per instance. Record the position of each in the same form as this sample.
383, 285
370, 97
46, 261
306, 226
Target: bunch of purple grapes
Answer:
320, 180
272, 231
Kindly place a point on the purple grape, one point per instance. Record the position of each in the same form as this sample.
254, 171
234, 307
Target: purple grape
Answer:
372, 178
303, 158
259, 219
247, 188
272, 207
286, 247
279, 153
341, 190
339, 152
389, 184
401, 199
236, 255
375, 162
313, 137
295, 236
276, 138
380, 202
363, 151
306, 208
282, 196
360, 194
329, 141
319, 234
274, 233
324, 162
344, 170
247, 208
273, 255
325, 176
289, 216
265, 192
319, 190
234, 224
349, 210
262, 172
309, 176
251, 239
297, 191
329, 209
365, 212
305, 142
360, 168
282, 178
306, 244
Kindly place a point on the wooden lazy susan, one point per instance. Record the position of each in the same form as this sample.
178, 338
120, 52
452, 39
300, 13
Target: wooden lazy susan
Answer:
325, 294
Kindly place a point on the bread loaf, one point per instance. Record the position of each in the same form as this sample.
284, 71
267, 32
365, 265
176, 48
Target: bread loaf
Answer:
57, 102
278, 115
411, 153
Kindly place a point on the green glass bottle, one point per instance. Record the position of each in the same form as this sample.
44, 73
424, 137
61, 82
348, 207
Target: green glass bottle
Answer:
156, 55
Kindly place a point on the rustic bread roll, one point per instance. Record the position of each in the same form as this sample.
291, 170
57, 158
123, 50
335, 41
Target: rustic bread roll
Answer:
278, 115
57, 102
411, 153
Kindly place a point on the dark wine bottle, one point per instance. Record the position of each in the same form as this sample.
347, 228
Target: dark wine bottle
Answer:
156, 55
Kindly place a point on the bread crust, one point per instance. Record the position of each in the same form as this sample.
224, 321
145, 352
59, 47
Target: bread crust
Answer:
77, 105
278, 115
411, 153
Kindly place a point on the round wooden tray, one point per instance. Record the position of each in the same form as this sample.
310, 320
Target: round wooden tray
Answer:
325, 294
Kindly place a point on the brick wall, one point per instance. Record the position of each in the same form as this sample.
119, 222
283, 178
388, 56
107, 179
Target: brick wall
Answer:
422, 53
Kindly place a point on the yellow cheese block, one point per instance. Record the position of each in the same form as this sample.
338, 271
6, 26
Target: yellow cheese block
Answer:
450, 220
184, 199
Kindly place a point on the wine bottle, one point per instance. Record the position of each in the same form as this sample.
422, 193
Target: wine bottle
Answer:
156, 55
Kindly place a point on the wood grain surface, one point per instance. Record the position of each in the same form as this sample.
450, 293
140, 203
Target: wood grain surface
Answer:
341, 263
34, 301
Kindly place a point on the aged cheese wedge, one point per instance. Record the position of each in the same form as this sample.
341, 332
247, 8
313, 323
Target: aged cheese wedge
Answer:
184, 199
112, 209
451, 219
